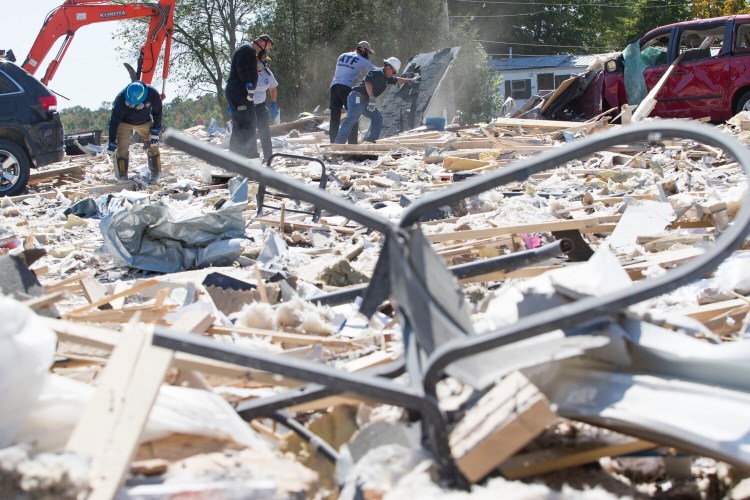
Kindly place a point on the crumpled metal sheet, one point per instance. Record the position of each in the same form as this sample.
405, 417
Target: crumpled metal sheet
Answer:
152, 238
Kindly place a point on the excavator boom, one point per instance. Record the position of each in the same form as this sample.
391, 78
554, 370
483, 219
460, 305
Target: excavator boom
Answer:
64, 21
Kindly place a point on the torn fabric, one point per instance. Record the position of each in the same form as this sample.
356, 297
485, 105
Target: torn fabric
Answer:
153, 238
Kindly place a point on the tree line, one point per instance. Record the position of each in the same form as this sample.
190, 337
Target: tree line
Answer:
310, 34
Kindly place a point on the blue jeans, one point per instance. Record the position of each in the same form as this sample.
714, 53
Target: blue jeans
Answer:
356, 107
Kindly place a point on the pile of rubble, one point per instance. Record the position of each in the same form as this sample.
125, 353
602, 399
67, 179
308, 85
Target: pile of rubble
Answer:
648, 399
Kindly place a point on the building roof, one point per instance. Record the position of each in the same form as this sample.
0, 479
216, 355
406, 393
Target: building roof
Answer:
536, 62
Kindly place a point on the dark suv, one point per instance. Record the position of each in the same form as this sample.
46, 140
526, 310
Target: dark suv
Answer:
31, 134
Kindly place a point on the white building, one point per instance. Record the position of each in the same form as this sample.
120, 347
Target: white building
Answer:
524, 76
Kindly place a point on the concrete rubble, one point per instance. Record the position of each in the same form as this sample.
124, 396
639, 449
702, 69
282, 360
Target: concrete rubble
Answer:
97, 411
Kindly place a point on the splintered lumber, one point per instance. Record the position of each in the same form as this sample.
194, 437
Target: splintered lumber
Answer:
55, 172
45, 300
453, 164
285, 128
649, 102
665, 259
93, 290
282, 337
59, 285
113, 420
502, 422
102, 338
534, 227
523, 273
532, 124
545, 461
144, 285
707, 312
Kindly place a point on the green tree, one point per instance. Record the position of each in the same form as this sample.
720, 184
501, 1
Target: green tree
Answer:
476, 83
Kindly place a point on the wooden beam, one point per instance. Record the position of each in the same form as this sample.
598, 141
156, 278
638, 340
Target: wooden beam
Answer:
531, 124
55, 172
283, 337
502, 422
112, 422
103, 338
546, 461
139, 287
649, 102
534, 227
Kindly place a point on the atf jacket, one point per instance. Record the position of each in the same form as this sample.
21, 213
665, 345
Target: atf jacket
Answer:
149, 109
348, 67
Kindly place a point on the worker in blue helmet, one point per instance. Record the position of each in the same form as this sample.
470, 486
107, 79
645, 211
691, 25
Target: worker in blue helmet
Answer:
137, 108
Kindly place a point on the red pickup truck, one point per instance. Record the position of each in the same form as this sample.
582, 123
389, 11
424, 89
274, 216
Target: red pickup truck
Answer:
711, 80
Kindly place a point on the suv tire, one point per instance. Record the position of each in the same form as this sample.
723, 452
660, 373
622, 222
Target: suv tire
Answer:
15, 167
743, 103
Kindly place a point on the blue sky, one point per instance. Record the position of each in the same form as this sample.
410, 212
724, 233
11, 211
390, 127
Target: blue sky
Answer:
91, 71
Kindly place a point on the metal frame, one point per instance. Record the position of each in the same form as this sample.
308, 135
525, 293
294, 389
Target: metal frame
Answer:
260, 197
436, 327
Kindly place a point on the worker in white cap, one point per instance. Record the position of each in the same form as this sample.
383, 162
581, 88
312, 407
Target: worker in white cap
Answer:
349, 66
361, 100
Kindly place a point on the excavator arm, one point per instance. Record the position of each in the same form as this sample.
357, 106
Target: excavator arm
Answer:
64, 21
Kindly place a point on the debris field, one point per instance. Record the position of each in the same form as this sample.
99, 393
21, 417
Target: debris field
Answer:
651, 401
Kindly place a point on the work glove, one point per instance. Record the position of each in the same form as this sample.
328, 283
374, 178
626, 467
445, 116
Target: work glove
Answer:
274, 109
154, 136
111, 152
371, 107
250, 91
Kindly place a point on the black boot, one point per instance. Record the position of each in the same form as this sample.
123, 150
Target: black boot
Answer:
154, 166
122, 168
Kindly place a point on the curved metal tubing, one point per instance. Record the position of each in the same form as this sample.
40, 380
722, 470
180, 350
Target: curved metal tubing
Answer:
262, 188
592, 307
242, 166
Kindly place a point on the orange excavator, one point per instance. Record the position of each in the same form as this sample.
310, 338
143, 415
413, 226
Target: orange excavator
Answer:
73, 14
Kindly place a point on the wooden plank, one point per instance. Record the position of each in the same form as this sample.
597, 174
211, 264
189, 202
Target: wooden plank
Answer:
454, 164
139, 287
534, 227
113, 420
545, 461
45, 300
56, 172
502, 422
285, 128
649, 102
58, 285
93, 290
558, 92
526, 272
283, 337
102, 338
707, 312
531, 124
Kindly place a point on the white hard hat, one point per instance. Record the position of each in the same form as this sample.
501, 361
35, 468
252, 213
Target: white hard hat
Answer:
394, 62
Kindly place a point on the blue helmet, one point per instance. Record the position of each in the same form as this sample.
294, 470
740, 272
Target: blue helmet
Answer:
135, 93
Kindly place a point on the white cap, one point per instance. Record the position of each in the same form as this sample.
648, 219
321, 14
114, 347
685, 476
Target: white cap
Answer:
394, 62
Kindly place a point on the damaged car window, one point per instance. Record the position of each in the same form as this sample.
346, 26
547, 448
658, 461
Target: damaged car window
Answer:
742, 40
701, 44
655, 51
